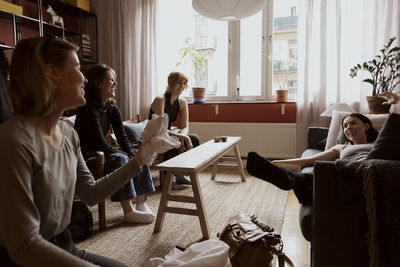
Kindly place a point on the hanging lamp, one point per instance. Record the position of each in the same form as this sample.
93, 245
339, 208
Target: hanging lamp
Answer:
228, 10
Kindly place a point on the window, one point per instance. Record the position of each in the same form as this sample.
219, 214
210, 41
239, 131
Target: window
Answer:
238, 61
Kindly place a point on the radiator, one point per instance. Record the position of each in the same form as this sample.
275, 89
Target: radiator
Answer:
271, 140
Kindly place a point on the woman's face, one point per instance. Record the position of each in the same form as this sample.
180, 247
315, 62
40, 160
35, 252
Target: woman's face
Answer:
108, 86
355, 130
179, 86
71, 83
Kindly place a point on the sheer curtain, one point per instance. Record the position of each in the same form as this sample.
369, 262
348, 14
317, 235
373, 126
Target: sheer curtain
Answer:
126, 42
333, 36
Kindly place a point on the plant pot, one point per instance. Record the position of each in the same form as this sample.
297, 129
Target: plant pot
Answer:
199, 94
282, 95
375, 105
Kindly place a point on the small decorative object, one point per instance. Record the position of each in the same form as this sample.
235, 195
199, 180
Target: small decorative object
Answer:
384, 70
55, 19
228, 10
196, 59
218, 139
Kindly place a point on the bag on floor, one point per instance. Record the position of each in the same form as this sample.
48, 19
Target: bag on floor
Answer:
81, 224
252, 243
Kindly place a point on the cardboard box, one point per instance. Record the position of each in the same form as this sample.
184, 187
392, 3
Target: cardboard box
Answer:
11, 7
83, 4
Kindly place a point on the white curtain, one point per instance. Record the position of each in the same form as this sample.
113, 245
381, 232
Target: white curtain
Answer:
333, 36
126, 42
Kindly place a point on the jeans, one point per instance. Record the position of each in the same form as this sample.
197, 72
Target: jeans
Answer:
139, 185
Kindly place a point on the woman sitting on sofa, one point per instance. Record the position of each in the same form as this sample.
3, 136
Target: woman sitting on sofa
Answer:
171, 104
358, 130
92, 123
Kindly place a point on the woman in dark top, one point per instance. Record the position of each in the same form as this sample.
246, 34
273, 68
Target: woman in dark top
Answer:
92, 123
173, 105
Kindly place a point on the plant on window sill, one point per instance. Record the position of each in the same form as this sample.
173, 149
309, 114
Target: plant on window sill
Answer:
384, 70
196, 59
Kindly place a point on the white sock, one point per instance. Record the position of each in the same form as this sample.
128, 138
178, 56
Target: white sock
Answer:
143, 207
136, 216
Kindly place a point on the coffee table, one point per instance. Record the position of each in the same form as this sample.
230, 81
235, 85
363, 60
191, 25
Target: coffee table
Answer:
191, 163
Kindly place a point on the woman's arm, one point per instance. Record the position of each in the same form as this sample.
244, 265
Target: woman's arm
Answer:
330, 154
19, 215
119, 130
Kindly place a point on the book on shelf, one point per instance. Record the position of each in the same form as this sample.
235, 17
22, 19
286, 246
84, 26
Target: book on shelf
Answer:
82, 4
16, 9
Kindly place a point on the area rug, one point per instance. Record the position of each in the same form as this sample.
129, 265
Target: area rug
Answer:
223, 198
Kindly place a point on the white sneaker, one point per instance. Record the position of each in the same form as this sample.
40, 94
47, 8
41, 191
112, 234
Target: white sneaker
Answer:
136, 216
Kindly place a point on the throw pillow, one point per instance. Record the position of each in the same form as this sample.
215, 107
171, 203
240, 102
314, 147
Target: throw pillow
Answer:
387, 146
335, 127
134, 130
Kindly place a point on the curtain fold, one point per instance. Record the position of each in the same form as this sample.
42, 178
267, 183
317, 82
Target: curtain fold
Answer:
127, 42
333, 36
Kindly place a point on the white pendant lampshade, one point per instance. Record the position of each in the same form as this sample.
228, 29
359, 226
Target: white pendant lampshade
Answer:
228, 10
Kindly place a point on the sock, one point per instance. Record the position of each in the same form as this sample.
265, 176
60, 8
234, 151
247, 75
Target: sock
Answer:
136, 216
143, 207
261, 168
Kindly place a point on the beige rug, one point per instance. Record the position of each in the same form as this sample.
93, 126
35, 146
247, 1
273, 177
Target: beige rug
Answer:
223, 198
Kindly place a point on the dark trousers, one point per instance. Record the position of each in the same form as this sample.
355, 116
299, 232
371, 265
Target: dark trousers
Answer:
174, 152
65, 242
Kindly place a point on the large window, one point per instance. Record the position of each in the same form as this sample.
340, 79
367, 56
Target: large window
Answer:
242, 60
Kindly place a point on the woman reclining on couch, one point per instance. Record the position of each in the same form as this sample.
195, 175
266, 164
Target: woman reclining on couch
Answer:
356, 127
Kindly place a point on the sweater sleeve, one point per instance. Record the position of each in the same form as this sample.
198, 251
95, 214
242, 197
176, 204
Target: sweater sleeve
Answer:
119, 130
19, 217
88, 126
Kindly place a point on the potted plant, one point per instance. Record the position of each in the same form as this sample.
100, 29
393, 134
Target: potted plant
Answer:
196, 59
282, 67
384, 70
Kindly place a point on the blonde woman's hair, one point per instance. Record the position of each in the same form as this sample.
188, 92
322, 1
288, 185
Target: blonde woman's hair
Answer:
31, 88
174, 77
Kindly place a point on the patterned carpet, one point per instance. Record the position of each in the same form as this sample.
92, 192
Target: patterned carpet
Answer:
223, 198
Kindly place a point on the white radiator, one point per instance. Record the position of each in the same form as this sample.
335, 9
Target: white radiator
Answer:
271, 140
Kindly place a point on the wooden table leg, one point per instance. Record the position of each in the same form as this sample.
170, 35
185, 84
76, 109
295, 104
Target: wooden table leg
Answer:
200, 206
239, 162
163, 202
214, 170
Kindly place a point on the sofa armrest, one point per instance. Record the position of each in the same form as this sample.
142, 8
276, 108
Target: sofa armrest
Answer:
317, 137
338, 230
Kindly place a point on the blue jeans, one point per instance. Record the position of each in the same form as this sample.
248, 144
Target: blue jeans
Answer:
139, 185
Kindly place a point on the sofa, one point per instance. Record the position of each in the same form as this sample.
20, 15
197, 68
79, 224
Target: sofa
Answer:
338, 230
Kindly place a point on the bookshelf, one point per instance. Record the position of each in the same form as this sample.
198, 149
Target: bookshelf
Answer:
80, 25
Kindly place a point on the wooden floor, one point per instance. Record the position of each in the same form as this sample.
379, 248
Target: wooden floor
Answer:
295, 246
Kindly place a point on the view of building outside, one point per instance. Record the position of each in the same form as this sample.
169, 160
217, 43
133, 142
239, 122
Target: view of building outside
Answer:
284, 67
210, 38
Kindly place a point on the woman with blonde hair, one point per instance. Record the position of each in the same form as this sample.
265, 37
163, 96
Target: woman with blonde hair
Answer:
173, 105
43, 167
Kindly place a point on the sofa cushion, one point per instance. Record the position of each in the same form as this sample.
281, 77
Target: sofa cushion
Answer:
387, 146
134, 130
335, 127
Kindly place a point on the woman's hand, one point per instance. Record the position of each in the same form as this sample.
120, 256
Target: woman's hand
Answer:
390, 98
186, 143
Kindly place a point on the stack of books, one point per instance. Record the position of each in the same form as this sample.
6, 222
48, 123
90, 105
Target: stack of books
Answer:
10, 7
86, 46
83, 4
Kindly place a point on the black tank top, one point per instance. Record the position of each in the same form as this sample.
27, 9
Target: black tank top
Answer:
171, 109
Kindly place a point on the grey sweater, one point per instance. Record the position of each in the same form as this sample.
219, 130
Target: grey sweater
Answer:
37, 187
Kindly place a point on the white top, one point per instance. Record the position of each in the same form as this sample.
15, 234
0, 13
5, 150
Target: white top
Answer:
37, 188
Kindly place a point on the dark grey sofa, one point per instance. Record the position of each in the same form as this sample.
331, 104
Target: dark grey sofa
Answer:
336, 232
